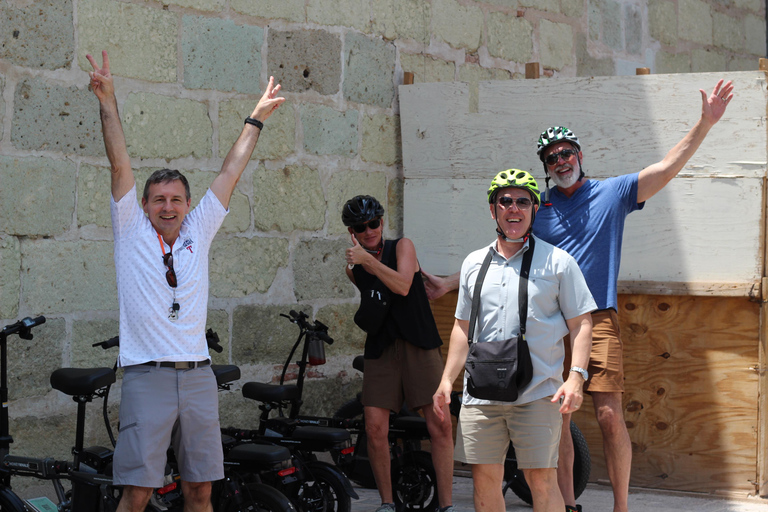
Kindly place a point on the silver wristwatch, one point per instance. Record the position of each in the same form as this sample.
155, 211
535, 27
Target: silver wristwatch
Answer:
580, 371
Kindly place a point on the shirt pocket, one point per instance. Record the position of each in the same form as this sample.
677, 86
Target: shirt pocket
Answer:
543, 296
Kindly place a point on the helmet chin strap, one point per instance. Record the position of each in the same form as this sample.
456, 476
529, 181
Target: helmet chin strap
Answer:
504, 237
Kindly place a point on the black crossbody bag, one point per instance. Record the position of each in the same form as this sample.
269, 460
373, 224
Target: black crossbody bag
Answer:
500, 370
376, 300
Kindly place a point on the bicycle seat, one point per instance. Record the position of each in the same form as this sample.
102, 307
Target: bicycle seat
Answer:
81, 381
358, 363
270, 392
265, 453
412, 424
225, 373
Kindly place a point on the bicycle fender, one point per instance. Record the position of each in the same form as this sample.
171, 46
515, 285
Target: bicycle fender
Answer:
336, 471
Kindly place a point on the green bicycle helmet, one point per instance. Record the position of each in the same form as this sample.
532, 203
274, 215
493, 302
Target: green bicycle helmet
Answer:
554, 135
517, 179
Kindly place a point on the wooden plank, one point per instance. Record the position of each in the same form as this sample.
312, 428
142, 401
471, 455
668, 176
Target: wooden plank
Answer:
642, 71
532, 70
707, 289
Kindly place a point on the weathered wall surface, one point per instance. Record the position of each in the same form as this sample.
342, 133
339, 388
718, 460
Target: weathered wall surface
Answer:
188, 72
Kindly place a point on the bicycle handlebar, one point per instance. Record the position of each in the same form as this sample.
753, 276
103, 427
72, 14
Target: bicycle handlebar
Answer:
316, 328
23, 327
107, 344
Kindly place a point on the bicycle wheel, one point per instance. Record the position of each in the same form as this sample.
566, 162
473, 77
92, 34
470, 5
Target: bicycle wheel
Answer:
9, 502
414, 484
359, 470
260, 498
582, 465
323, 491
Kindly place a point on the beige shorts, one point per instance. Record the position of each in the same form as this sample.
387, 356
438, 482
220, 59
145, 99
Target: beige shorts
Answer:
403, 372
606, 361
484, 433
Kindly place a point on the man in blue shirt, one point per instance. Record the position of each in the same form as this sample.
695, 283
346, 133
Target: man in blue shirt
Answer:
586, 218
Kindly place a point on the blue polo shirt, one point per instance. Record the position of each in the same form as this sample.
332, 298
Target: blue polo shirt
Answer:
589, 225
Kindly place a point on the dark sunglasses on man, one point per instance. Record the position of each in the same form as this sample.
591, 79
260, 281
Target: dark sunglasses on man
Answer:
373, 224
523, 203
552, 158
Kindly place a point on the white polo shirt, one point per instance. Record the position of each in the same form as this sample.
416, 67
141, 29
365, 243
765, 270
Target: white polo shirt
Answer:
146, 332
556, 291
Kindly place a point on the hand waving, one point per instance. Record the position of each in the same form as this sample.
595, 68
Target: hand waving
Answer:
268, 102
713, 107
101, 79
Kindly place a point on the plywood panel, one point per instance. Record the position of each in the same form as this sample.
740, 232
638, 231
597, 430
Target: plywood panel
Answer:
682, 242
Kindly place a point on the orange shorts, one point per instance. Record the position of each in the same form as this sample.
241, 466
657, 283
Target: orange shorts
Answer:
606, 361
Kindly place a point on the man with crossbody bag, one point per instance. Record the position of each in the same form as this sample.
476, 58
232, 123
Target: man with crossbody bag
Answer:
515, 391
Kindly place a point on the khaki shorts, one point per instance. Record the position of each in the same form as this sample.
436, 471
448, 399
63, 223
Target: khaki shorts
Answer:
606, 362
484, 433
160, 406
403, 371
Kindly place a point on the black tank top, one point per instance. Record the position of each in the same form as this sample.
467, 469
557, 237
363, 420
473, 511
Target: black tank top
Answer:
409, 317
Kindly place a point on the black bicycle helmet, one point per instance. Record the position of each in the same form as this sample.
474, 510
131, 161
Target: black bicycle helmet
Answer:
361, 209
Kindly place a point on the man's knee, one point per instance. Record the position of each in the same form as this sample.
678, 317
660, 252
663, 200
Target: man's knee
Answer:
197, 492
541, 479
135, 498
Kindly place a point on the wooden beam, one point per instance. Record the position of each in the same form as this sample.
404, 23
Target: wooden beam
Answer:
407, 78
703, 289
642, 71
532, 70
762, 401
763, 64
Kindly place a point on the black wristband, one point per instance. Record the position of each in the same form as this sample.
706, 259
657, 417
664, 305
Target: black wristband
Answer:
255, 122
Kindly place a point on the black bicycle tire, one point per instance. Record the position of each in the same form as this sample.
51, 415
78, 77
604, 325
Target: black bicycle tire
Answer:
404, 475
262, 498
582, 465
359, 470
10, 502
332, 487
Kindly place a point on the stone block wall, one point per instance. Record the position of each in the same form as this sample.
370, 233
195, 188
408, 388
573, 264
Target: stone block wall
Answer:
188, 72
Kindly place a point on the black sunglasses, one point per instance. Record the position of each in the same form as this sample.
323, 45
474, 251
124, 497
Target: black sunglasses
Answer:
170, 276
523, 203
552, 158
373, 224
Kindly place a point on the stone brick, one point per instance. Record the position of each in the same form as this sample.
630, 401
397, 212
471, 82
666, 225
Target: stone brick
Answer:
47, 436
401, 19
572, 8
588, 65
239, 217
395, 192
349, 339
202, 5
381, 139
662, 21
509, 37
695, 21
595, 19
236, 411
130, 33
427, 69
543, 5
291, 10
633, 29
84, 276
556, 44
303, 60
752, 5
261, 335
344, 13
87, 332
611, 24
10, 281
318, 269
275, 195
39, 35
218, 322
31, 362
37, 196
703, 61
466, 34
278, 139
203, 43
49, 117
347, 184
164, 127
243, 266
324, 396
93, 194
755, 35
473, 74
369, 67
742, 64
328, 131
728, 32
672, 63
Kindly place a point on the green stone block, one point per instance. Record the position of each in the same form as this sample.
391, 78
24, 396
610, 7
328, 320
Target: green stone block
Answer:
275, 199
509, 37
39, 35
140, 40
10, 282
261, 335
203, 43
466, 34
556, 44
305, 60
381, 139
354, 14
31, 362
369, 65
318, 269
37, 196
243, 266
328, 131
291, 10
87, 332
402, 19
276, 141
